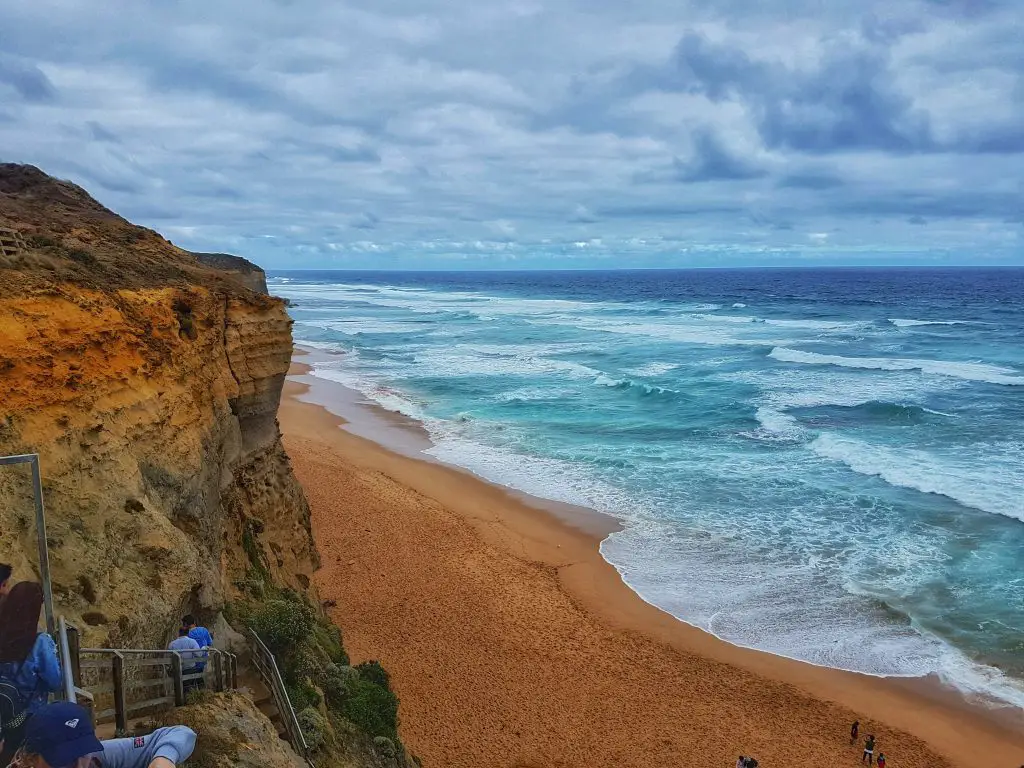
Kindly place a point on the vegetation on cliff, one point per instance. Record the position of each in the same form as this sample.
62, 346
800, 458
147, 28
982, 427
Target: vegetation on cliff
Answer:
335, 702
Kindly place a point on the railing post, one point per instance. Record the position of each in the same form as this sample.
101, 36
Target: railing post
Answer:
120, 711
179, 686
218, 672
67, 661
75, 652
234, 672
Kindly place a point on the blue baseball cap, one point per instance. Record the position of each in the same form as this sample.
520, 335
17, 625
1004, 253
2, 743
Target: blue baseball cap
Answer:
61, 733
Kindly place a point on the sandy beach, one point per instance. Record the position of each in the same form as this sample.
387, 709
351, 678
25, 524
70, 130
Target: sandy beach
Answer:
511, 642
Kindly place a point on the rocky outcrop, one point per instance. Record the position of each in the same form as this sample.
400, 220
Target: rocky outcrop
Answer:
231, 731
242, 270
149, 385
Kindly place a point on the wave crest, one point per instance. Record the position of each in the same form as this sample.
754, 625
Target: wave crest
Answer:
982, 372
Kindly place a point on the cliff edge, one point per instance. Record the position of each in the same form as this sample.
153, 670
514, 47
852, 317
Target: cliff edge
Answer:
148, 380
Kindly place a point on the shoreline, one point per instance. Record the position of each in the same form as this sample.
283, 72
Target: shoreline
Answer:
564, 544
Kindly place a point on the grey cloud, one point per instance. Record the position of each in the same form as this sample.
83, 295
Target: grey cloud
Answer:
365, 220
99, 133
845, 102
711, 161
27, 79
353, 155
583, 215
810, 180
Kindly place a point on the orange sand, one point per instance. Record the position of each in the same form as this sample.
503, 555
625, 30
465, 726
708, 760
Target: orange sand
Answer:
512, 643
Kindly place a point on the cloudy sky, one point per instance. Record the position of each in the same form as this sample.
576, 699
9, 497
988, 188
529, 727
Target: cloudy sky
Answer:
525, 133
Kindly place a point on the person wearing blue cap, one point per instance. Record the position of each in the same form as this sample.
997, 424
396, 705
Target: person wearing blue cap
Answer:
61, 735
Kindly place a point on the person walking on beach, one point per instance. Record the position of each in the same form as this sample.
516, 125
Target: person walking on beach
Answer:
869, 749
854, 731
880, 762
741, 762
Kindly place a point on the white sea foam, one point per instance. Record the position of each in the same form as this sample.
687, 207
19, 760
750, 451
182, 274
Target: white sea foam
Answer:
388, 398
358, 326
988, 478
649, 389
777, 424
739, 305
460, 362
328, 346
804, 325
706, 333
652, 369
982, 372
901, 323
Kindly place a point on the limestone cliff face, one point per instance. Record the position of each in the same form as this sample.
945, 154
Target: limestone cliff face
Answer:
149, 385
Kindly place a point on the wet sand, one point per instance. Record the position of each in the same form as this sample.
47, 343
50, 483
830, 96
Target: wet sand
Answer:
511, 642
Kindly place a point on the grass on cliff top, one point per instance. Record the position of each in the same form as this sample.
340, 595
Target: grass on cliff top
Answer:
325, 690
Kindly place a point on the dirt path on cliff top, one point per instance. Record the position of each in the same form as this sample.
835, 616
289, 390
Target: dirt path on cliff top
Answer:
492, 620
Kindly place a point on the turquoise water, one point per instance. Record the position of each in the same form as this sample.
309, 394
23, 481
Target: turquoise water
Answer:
824, 464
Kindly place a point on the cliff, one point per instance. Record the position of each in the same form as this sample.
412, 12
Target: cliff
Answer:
242, 270
148, 382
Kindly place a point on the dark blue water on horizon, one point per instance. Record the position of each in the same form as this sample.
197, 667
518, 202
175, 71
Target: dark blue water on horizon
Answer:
826, 464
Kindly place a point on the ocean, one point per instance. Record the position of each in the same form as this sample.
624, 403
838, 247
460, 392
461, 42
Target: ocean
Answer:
824, 464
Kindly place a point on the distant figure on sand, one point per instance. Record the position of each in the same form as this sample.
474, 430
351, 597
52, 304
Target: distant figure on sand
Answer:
854, 731
741, 762
880, 762
869, 749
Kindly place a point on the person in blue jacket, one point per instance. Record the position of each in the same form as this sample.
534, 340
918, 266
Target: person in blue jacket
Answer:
201, 635
28, 657
61, 735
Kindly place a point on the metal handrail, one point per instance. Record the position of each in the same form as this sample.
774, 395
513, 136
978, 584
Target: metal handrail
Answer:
266, 665
66, 668
32, 459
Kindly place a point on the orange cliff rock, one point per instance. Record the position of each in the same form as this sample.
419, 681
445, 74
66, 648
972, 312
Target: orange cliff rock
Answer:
149, 383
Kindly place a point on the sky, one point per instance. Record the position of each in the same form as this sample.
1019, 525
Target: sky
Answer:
533, 133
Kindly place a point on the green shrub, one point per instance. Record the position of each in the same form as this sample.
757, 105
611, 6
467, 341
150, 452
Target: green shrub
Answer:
385, 747
375, 673
328, 637
372, 708
301, 664
198, 696
283, 625
314, 727
81, 255
41, 241
337, 684
302, 695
